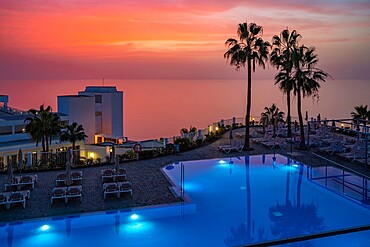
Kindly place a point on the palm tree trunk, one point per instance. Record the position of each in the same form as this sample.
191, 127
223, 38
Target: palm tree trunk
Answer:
299, 105
43, 143
47, 142
289, 118
248, 114
73, 145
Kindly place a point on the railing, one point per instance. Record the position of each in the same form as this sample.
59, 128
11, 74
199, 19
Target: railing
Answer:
343, 180
201, 133
12, 110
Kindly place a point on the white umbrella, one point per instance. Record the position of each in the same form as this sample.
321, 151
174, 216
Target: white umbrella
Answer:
68, 180
116, 163
231, 134
10, 172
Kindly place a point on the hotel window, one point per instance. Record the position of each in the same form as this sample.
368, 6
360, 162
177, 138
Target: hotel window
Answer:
98, 98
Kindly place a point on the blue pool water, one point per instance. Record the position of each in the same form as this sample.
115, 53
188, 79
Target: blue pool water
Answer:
231, 202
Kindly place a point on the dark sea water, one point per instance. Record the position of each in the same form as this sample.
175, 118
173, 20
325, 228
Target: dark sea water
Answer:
160, 108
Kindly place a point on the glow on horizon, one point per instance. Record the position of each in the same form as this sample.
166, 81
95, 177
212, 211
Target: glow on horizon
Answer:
89, 38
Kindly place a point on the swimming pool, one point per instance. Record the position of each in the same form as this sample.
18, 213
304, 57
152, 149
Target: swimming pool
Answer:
231, 202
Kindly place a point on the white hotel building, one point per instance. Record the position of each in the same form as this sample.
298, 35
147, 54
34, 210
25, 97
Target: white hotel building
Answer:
98, 109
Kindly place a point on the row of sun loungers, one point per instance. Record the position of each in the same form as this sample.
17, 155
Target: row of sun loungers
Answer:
275, 142
76, 177
9, 198
113, 175
66, 193
236, 146
114, 182
117, 188
21, 181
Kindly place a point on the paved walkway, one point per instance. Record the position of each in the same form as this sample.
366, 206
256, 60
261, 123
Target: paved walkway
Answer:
150, 187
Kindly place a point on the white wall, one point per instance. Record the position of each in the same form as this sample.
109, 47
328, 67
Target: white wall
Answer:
111, 108
80, 109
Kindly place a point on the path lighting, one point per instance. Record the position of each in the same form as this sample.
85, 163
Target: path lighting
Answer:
217, 128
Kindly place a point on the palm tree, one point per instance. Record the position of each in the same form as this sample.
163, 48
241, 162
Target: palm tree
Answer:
272, 115
73, 133
250, 49
281, 58
361, 113
307, 80
42, 126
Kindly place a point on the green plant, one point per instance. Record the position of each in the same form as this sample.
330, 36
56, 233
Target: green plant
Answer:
184, 144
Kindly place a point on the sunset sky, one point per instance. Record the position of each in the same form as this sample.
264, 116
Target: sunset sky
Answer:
64, 39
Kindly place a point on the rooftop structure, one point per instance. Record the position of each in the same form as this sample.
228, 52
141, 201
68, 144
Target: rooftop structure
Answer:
99, 110
108, 112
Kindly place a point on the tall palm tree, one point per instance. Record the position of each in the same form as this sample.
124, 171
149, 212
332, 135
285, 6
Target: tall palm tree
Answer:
73, 133
42, 126
281, 58
307, 78
361, 113
250, 49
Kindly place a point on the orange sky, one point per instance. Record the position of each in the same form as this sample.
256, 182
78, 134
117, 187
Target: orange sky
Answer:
169, 39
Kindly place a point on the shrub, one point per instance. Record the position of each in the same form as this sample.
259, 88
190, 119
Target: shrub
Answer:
184, 144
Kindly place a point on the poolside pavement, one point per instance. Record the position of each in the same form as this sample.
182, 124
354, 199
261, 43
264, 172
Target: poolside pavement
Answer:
150, 186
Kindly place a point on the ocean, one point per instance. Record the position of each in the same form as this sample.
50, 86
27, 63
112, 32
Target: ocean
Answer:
160, 108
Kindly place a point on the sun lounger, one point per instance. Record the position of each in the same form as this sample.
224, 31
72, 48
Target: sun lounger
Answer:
110, 188
266, 137
74, 192
278, 142
334, 147
59, 193
76, 176
14, 185
124, 187
355, 154
121, 175
107, 174
228, 148
17, 197
61, 178
28, 180
4, 199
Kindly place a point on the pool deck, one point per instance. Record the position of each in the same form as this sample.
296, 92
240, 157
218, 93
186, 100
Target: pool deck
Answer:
150, 187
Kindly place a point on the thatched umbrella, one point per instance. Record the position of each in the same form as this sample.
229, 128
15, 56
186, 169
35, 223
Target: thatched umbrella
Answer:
20, 160
68, 180
10, 172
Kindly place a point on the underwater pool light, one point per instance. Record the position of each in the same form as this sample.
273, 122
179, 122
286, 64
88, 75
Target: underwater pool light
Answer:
134, 217
45, 227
